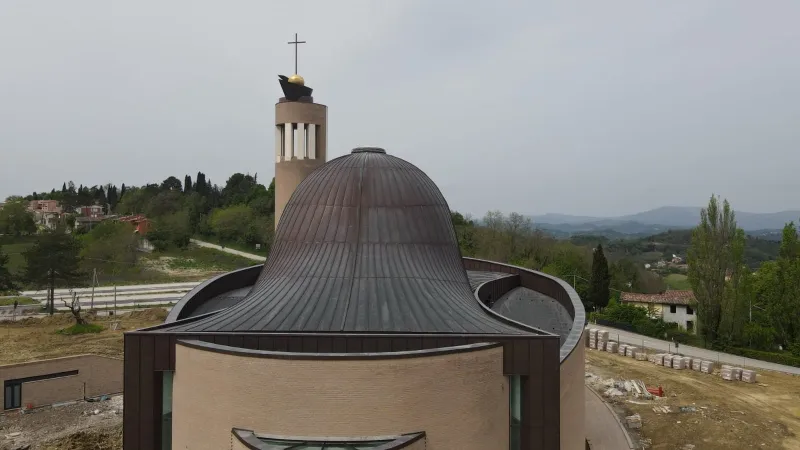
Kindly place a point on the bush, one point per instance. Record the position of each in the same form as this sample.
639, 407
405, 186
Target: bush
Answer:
784, 358
81, 329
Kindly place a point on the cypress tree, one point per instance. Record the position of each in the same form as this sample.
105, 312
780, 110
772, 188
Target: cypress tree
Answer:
187, 184
601, 279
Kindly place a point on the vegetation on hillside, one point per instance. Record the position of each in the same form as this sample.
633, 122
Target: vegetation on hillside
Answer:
737, 307
513, 239
663, 245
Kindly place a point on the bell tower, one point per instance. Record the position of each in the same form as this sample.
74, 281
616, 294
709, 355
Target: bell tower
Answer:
301, 130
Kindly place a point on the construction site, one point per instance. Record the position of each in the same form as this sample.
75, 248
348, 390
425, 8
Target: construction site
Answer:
664, 401
92, 423
670, 401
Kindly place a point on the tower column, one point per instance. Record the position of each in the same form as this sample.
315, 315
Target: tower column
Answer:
300, 143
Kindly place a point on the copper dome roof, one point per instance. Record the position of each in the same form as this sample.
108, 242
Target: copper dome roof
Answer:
365, 244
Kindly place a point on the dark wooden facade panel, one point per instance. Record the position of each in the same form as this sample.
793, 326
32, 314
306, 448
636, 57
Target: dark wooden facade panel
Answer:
236, 341
161, 357
251, 342
339, 344
131, 414
266, 343
148, 410
310, 344
551, 376
354, 344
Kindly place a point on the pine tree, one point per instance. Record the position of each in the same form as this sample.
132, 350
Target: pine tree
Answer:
6, 277
64, 188
200, 184
714, 253
601, 279
54, 260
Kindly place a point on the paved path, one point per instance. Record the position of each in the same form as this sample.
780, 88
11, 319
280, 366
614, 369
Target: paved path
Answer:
666, 346
603, 429
229, 250
127, 289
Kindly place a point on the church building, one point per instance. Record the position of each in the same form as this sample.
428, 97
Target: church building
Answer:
364, 329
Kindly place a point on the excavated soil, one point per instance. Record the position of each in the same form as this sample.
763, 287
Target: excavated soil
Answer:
38, 338
716, 414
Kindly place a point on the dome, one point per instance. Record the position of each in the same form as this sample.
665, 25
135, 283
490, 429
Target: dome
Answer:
297, 79
365, 244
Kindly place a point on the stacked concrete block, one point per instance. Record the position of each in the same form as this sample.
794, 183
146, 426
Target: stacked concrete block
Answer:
678, 363
658, 359
696, 363
631, 351
726, 372
622, 348
611, 346
586, 339
593, 338
667, 359
748, 376
602, 338
642, 356
707, 366
687, 362
731, 373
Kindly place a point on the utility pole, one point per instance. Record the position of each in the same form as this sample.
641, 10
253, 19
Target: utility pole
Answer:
52, 290
94, 282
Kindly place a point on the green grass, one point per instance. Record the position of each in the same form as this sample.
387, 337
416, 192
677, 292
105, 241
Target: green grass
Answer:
263, 251
16, 259
205, 258
677, 281
81, 329
8, 301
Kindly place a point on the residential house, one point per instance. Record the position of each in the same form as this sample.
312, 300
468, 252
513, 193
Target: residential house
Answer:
90, 211
45, 206
671, 306
45, 212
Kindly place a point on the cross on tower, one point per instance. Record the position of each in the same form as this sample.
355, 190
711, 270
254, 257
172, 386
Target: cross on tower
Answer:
295, 43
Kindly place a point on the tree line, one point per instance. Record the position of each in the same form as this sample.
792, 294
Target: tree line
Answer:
513, 239
242, 211
738, 307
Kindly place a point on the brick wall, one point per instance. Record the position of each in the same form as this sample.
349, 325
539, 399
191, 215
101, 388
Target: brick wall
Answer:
573, 404
99, 374
460, 399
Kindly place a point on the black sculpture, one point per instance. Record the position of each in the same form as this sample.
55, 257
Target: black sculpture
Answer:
294, 90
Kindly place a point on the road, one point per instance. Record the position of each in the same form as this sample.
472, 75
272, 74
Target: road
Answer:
258, 258
131, 295
603, 429
665, 346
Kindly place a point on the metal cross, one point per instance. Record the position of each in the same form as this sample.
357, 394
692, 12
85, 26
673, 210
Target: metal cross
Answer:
295, 50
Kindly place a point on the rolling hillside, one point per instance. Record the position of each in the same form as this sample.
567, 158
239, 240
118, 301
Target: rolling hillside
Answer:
657, 221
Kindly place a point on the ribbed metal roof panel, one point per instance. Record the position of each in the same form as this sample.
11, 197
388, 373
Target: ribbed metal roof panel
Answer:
365, 244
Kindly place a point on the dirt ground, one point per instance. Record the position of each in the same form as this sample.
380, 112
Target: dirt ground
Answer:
719, 414
34, 338
76, 426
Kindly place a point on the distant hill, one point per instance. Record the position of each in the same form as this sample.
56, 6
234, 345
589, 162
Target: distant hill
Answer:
658, 220
650, 249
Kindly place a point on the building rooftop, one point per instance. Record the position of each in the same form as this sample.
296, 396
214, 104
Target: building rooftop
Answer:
665, 298
365, 244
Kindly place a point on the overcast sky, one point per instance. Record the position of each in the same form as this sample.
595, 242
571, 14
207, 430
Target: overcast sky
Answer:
589, 107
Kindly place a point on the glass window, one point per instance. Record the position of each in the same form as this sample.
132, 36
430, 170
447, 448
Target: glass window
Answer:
689, 310
12, 395
166, 409
673, 309
515, 411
